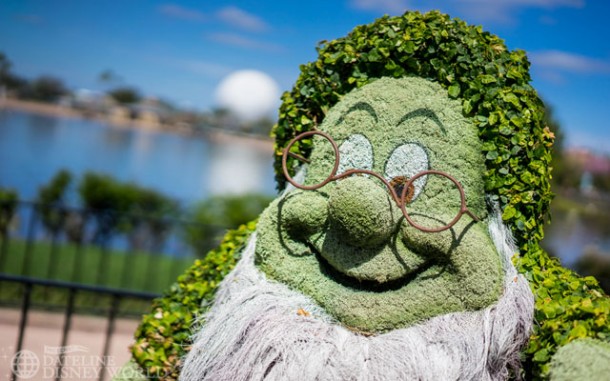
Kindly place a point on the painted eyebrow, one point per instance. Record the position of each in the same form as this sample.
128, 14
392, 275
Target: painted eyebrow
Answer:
424, 113
359, 106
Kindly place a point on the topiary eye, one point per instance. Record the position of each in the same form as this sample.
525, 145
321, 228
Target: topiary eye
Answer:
356, 152
405, 162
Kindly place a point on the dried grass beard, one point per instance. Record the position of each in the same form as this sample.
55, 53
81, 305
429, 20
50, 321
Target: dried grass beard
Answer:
257, 329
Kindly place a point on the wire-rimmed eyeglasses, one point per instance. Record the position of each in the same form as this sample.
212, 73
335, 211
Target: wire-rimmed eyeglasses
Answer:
401, 188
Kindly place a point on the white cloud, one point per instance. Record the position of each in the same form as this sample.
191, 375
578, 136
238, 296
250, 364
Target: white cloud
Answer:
244, 42
180, 12
390, 6
558, 60
239, 18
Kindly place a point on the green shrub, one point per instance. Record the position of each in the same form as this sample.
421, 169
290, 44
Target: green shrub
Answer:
8, 206
210, 219
125, 95
163, 337
568, 307
51, 200
125, 208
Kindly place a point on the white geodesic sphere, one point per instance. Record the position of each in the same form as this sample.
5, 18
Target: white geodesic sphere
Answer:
249, 94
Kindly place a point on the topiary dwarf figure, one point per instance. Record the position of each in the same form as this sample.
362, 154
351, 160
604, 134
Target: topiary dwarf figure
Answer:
406, 244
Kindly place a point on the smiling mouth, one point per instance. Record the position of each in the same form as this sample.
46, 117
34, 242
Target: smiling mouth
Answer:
366, 285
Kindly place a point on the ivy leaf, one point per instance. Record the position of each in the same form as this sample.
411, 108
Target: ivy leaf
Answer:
512, 98
454, 91
467, 107
409, 47
513, 73
509, 213
542, 356
487, 79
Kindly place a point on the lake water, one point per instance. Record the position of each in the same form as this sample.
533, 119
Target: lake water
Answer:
34, 147
574, 231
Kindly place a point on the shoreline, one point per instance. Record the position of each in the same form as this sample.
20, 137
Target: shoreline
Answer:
213, 134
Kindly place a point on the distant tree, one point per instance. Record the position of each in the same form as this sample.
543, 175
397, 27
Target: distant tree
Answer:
109, 77
8, 79
601, 182
8, 206
260, 127
45, 89
51, 201
117, 207
125, 95
213, 217
5, 67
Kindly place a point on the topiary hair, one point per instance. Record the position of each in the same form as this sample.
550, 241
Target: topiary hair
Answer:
475, 67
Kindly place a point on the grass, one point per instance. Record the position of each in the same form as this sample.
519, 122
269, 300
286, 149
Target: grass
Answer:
92, 265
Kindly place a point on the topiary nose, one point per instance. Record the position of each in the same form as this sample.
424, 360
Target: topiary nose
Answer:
361, 212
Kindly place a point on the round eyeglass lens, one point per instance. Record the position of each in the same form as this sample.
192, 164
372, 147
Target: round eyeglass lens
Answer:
322, 163
439, 204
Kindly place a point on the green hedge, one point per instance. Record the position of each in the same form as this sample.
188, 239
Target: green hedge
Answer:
163, 337
8, 206
568, 307
493, 86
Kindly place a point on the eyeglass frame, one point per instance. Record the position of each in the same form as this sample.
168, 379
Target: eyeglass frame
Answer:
398, 200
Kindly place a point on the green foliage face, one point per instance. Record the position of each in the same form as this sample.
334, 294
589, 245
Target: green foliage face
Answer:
475, 67
347, 244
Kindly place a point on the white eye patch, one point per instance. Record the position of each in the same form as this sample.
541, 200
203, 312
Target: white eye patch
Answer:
355, 153
408, 160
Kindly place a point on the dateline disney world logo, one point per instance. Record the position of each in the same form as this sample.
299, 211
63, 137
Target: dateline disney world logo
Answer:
72, 361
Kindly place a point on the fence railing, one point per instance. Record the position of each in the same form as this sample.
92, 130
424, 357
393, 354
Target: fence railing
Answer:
95, 263
27, 365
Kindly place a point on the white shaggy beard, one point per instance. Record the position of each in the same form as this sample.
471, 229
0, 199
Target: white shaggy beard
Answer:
254, 331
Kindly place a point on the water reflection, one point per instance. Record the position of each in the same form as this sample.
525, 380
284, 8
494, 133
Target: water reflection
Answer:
233, 167
33, 148
577, 225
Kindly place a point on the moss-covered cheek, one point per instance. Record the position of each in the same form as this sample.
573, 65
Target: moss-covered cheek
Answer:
304, 213
356, 209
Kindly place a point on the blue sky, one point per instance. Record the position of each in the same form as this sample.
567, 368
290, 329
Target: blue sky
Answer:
180, 50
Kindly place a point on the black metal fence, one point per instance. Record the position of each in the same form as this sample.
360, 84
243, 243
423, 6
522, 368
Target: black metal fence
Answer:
29, 366
73, 261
